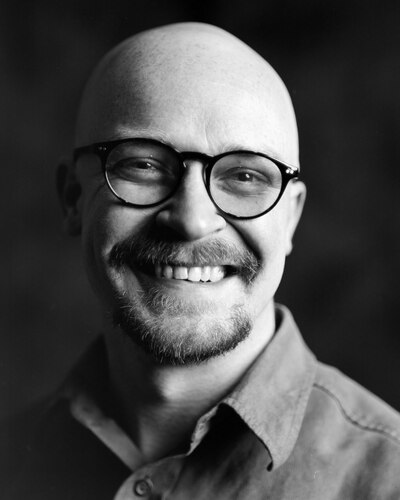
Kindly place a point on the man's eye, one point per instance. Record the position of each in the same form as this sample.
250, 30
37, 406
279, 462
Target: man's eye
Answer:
241, 181
137, 164
139, 170
144, 165
248, 176
245, 177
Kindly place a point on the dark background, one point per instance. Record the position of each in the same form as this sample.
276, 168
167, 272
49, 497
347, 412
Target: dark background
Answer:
341, 62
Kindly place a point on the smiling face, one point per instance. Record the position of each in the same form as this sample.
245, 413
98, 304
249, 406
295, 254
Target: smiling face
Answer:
183, 281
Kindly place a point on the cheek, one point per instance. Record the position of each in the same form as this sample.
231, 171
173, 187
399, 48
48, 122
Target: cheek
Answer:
106, 222
98, 234
272, 248
266, 236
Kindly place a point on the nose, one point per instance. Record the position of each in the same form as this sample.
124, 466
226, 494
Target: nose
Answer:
190, 213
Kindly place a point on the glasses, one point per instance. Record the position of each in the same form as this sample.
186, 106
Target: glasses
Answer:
143, 172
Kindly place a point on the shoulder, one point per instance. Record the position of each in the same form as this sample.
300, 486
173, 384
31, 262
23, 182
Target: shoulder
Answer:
49, 454
356, 405
355, 433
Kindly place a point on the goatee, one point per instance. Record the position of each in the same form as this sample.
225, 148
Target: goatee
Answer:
179, 331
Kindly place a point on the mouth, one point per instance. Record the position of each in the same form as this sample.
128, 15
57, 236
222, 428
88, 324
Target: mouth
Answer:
176, 262
194, 274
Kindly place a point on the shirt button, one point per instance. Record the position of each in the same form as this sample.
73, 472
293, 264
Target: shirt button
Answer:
143, 487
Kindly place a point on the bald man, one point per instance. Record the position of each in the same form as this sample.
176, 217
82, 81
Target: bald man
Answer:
184, 190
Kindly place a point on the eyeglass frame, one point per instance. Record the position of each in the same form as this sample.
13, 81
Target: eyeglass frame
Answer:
103, 150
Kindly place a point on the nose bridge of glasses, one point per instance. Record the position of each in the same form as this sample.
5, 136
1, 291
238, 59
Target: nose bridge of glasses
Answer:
193, 170
190, 159
191, 212
188, 156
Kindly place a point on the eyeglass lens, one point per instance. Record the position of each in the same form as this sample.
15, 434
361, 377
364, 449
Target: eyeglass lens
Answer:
241, 184
142, 173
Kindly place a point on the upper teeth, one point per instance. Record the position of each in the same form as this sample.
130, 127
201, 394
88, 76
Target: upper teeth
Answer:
205, 273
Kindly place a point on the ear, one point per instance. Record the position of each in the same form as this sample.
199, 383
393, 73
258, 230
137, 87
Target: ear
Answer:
297, 197
69, 193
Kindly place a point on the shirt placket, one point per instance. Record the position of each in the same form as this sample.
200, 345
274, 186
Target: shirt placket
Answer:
156, 481
152, 481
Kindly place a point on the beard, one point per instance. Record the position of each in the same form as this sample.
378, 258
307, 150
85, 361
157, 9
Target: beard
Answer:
179, 338
178, 331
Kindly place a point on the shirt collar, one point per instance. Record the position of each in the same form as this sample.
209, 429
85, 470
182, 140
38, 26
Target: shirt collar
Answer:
271, 398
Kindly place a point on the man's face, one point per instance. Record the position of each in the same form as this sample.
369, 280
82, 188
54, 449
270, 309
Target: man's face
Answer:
172, 310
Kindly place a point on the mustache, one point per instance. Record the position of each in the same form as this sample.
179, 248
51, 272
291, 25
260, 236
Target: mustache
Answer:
151, 249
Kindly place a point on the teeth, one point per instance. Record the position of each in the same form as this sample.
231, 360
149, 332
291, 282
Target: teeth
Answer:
167, 272
216, 274
195, 274
205, 273
180, 273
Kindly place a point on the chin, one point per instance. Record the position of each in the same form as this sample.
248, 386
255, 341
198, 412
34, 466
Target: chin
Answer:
181, 333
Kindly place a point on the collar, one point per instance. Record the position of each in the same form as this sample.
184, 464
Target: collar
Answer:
271, 398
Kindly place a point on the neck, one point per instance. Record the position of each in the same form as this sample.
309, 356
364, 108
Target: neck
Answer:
158, 406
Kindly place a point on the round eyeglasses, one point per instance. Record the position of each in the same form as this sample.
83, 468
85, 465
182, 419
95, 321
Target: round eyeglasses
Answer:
144, 172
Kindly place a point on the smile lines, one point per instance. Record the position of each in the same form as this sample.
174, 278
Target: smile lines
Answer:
195, 274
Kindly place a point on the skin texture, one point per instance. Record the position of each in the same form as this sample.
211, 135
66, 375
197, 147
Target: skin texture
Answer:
196, 88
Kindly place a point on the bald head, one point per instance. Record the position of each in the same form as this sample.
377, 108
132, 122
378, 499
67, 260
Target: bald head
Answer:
186, 81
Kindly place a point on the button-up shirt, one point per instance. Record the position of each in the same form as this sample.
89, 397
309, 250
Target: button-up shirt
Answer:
291, 429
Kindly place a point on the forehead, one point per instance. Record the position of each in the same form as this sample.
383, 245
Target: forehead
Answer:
196, 98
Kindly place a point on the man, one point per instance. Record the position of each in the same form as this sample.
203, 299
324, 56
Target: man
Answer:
184, 190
